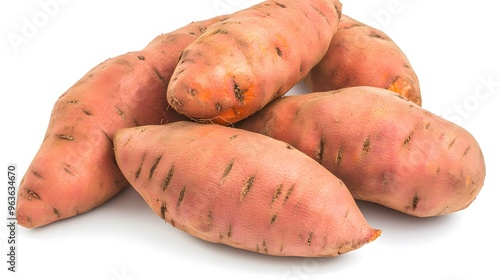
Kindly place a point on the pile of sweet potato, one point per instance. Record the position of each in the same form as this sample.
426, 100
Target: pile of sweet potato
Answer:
199, 125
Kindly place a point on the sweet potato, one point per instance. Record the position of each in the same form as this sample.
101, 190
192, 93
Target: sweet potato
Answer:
242, 189
385, 148
252, 57
361, 55
74, 169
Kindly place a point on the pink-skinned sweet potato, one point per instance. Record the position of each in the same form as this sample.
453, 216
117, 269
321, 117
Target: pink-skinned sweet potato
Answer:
385, 148
74, 169
242, 189
250, 58
361, 55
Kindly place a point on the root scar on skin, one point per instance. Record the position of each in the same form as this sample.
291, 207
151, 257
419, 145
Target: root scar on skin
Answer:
168, 179
182, 193
138, 172
407, 140
338, 159
321, 148
154, 166
246, 187
228, 169
366, 147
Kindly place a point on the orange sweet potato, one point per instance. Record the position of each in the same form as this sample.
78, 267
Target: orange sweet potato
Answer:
252, 57
361, 55
242, 189
74, 169
385, 148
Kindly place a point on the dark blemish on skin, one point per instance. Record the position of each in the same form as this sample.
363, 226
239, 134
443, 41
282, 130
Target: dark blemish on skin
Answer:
210, 219
154, 166
467, 151
163, 209
202, 29
32, 194
120, 112
88, 113
56, 212
229, 230
233, 137
167, 180
416, 199
407, 140
280, 5
366, 146
378, 36
140, 57
238, 93
338, 159
320, 13
138, 172
180, 56
352, 26
273, 218
309, 239
246, 187
243, 43
452, 143
279, 52
182, 193
264, 246
321, 149
277, 193
67, 168
289, 193
38, 175
165, 82
438, 171
220, 31
65, 137
228, 169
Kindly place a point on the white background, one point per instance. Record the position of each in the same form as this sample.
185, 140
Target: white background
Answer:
453, 46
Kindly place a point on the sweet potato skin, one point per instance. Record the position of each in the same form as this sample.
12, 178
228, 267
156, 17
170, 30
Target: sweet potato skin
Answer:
224, 185
387, 150
74, 169
361, 55
252, 57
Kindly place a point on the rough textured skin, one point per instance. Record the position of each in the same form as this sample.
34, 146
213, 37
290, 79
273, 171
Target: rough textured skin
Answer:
74, 169
252, 57
224, 185
360, 55
385, 148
